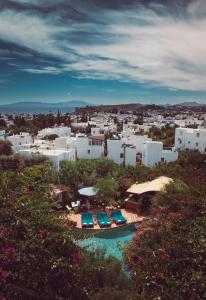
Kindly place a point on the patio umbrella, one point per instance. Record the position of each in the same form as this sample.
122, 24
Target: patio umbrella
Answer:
88, 192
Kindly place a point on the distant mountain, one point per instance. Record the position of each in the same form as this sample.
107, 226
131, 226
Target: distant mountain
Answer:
193, 103
41, 107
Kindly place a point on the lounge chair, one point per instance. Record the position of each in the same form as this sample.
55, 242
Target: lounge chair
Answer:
106, 219
87, 220
103, 219
118, 217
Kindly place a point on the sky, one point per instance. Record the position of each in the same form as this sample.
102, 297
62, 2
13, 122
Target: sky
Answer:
103, 51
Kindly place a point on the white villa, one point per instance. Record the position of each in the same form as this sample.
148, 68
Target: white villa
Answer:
18, 140
192, 139
54, 156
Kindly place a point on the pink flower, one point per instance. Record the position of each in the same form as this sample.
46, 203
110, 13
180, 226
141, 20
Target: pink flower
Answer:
42, 234
9, 250
162, 256
75, 259
5, 274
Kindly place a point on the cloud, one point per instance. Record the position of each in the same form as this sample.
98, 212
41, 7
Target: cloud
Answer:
45, 70
148, 44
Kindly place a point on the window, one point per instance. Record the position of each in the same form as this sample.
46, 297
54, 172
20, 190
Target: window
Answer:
90, 142
162, 159
188, 142
96, 143
121, 155
88, 151
197, 144
198, 134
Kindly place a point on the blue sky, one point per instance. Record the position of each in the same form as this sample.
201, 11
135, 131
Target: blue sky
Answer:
103, 51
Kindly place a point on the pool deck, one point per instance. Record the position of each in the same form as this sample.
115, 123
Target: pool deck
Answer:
129, 215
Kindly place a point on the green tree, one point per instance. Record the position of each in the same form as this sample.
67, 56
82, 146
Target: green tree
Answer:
107, 190
5, 148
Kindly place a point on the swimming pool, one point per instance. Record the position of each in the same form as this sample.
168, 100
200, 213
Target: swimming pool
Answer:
112, 241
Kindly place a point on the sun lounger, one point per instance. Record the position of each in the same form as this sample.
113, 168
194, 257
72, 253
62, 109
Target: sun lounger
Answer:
118, 217
106, 219
87, 220
103, 219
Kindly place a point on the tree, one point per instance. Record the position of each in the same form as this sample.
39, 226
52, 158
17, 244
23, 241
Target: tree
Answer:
5, 148
167, 255
51, 137
38, 256
2, 123
107, 190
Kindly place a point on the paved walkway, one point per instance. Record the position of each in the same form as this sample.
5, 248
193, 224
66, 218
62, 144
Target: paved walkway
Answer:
129, 215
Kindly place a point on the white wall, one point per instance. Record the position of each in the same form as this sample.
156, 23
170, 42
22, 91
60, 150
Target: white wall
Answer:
96, 131
152, 153
130, 156
2, 135
54, 156
86, 148
192, 139
169, 155
115, 151
19, 140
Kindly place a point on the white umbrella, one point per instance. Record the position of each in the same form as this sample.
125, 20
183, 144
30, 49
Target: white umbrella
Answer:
88, 191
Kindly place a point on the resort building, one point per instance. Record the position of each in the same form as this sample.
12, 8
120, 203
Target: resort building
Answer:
54, 156
139, 150
19, 140
145, 191
191, 139
88, 147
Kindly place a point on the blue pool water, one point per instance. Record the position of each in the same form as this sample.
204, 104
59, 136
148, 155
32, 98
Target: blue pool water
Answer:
112, 241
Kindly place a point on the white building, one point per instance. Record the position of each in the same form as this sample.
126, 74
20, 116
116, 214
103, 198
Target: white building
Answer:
61, 131
2, 135
154, 153
19, 140
87, 147
189, 121
96, 131
55, 156
139, 150
192, 139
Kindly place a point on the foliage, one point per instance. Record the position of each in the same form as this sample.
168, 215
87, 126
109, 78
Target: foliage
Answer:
37, 123
16, 163
38, 256
166, 134
107, 190
85, 172
167, 255
51, 137
5, 148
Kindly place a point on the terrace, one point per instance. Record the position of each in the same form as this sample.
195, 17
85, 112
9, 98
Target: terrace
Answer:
130, 216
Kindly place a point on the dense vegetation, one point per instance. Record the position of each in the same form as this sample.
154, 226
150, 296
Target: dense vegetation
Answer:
167, 257
39, 258
38, 255
165, 134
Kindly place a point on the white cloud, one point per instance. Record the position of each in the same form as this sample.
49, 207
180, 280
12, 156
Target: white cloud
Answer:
166, 51
45, 70
143, 46
31, 32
